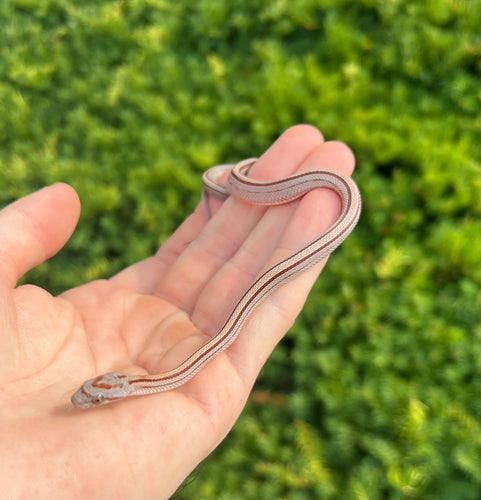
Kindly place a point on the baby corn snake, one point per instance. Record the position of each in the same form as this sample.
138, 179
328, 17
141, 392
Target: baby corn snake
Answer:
112, 386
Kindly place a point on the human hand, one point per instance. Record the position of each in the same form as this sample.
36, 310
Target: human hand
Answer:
147, 319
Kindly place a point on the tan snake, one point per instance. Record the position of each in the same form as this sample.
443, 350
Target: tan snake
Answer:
111, 386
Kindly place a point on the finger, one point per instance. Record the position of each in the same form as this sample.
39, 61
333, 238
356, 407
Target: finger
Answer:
144, 276
307, 220
149, 275
228, 229
34, 228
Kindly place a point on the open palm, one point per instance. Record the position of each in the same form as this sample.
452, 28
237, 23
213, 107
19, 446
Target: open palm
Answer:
147, 319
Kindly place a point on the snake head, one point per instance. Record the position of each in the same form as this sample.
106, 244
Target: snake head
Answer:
101, 390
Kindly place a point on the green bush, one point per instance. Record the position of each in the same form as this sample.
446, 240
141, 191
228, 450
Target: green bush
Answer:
375, 392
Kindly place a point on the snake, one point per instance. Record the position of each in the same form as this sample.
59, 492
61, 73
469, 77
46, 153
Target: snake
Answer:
113, 386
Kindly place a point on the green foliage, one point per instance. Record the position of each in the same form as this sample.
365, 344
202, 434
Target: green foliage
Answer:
375, 393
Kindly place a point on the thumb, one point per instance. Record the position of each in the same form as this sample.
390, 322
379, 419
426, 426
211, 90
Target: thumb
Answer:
34, 228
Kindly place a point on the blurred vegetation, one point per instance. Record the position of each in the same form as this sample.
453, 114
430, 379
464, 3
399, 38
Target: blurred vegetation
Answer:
375, 392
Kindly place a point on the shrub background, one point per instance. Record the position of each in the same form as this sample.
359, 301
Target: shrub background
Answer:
375, 391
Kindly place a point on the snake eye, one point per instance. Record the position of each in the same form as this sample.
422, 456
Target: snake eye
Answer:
98, 399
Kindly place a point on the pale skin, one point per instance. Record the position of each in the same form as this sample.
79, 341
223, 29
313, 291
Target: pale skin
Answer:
146, 319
